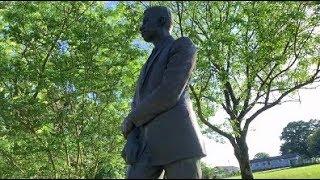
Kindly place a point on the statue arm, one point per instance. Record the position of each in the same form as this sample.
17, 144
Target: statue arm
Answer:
133, 102
175, 78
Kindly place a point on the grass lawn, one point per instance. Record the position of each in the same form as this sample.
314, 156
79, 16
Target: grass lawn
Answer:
306, 172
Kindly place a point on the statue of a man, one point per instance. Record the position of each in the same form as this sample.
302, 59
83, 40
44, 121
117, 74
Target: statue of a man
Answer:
161, 129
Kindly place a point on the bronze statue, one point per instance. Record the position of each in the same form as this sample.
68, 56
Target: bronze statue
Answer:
161, 129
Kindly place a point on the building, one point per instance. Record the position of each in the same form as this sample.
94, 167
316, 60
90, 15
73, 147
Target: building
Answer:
228, 169
274, 162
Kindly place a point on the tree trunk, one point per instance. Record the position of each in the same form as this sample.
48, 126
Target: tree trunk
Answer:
50, 157
241, 153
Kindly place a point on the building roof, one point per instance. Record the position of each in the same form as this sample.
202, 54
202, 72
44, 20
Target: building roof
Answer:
228, 168
275, 158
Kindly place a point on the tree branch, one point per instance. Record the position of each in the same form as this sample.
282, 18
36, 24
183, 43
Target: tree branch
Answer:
180, 16
203, 119
268, 106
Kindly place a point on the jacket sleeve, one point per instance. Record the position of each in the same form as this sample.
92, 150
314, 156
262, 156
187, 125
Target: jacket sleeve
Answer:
133, 102
180, 65
134, 99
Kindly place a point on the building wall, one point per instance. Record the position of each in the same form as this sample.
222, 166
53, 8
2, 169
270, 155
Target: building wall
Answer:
271, 164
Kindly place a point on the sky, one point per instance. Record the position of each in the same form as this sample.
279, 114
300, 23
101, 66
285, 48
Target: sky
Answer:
265, 131
111, 4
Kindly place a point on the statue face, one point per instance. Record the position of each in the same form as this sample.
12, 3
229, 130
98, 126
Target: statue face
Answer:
150, 26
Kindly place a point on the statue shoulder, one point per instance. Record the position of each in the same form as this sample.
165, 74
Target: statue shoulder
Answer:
183, 43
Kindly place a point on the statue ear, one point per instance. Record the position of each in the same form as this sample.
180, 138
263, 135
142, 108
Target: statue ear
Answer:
162, 21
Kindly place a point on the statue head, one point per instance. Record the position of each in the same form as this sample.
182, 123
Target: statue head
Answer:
157, 22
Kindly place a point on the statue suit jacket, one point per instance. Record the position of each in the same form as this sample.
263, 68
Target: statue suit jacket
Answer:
162, 105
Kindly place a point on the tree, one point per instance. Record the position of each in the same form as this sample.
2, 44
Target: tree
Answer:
251, 57
261, 155
295, 136
66, 77
207, 171
314, 143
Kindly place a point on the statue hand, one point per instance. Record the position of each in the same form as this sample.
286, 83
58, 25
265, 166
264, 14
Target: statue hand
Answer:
127, 127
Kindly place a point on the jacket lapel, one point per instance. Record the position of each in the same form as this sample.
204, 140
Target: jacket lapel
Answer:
144, 75
161, 47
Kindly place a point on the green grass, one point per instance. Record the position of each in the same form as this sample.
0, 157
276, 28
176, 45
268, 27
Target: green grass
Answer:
306, 172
